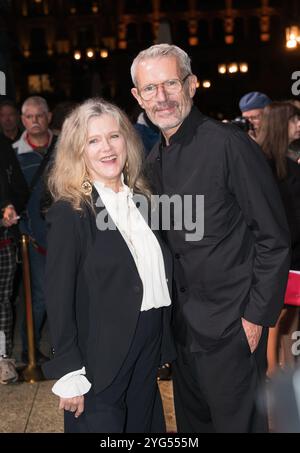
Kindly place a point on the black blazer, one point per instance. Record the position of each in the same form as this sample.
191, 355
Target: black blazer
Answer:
93, 296
240, 266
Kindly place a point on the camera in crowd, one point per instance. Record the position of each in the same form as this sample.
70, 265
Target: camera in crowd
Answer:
243, 123
294, 150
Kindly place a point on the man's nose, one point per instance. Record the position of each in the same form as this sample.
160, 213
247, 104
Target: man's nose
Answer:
161, 93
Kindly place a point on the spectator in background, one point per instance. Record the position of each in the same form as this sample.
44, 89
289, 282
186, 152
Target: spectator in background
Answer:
13, 196
147, 131
59, 114
252, 105
34, 150
279, 128
10, 121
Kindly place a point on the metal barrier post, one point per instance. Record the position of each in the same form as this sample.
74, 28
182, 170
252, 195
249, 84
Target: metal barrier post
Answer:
32, 373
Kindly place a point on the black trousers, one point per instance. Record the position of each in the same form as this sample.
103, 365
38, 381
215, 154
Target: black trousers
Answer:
221, 390
132, 403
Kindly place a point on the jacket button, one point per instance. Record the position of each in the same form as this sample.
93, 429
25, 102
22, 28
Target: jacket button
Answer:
136, 289
177, 256
182, 289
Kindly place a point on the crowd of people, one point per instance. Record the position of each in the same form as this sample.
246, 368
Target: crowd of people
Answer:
124, 299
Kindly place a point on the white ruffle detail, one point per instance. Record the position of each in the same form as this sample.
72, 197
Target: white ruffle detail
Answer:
72, 384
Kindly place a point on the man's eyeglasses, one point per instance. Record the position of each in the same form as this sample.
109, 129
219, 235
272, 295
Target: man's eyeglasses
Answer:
172, 86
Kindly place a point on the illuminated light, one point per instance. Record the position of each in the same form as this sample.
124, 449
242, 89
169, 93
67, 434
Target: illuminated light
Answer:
73, 10
206, 84
243, 67
292, 37
77, 55
291, 44
49, 52
95, 9
90, 53
222, 68
193, 41
233, 68
122, 44
103, 53
198, 84
26, 53
265, 37
229, 39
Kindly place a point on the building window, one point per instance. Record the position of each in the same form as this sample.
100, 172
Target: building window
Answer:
147, 37
39, 83
182, 34
137, 6
37, 40
239, 30
203, 32
210, 6
246, 4
174, 5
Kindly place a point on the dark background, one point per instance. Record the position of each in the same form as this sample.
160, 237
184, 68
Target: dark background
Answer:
38, 39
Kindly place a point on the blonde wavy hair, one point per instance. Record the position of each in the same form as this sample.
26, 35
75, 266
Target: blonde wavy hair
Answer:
69, 170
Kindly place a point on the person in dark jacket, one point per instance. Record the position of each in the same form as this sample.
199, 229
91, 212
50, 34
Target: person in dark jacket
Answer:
280, 127
231, 255
13, 197
34, 150
107, 277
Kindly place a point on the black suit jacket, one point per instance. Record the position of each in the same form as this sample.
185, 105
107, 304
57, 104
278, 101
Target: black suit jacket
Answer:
93, 296
240, 266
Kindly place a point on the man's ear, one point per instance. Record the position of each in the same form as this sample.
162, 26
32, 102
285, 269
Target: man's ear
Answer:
135, 94
192, 85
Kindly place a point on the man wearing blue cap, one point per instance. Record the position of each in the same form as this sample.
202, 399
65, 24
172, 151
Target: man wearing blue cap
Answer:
251, 106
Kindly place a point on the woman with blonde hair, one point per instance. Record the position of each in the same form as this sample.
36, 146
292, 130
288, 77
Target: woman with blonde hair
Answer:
108, 298
280, 127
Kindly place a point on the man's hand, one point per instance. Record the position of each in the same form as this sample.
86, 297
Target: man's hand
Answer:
9, 216
75, 404
253, 333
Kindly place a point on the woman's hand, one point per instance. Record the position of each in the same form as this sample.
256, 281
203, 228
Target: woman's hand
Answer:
75, 404
9, 216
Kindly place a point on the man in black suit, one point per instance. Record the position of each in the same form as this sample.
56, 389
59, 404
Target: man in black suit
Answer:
230, 283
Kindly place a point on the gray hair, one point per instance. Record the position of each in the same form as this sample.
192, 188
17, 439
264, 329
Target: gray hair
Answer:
35, 100
162, 50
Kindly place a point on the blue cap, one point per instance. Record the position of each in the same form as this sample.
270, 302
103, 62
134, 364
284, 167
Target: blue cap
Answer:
254, 100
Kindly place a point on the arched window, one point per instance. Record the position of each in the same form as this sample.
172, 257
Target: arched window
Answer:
254, 30
181, 34
218, 31
137, 6
239, 30
38, 40
132, 36
246, 4
210, 5
203, 32
147, 37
